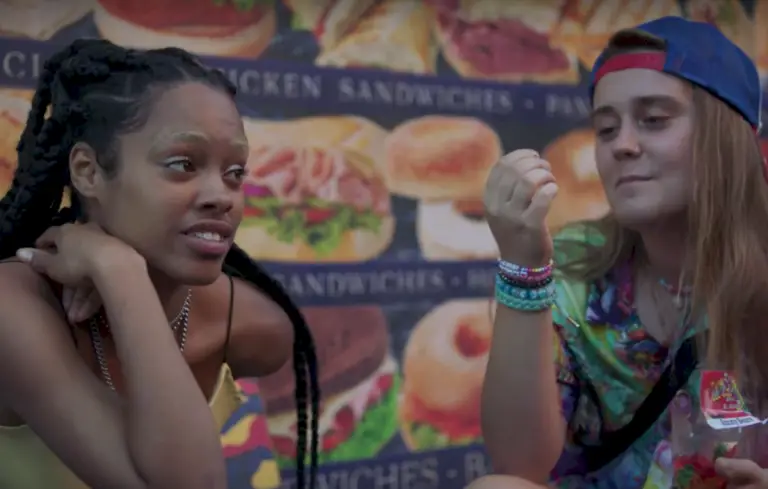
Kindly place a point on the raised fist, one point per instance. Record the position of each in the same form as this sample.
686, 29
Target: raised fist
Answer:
517, 198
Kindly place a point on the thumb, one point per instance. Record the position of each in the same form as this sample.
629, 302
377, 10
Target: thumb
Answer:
537, 212
39, 260
738, 470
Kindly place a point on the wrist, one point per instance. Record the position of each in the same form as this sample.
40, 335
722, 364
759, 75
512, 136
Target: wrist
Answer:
527, 263
115, 262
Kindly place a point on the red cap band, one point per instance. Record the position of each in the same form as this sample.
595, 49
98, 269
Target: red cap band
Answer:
649, 61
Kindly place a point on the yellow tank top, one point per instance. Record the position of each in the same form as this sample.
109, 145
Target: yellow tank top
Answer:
26, 463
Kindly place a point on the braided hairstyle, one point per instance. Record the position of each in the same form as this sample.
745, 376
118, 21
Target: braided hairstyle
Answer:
89, 92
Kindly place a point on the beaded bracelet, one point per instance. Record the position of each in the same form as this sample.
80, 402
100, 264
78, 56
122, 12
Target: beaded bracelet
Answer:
526, 284
517, 272
524, 299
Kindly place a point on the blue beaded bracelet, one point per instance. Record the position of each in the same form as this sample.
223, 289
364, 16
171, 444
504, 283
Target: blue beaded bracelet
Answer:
524, 299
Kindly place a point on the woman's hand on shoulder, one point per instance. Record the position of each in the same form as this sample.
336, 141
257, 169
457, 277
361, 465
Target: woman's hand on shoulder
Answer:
71, 254
261, 339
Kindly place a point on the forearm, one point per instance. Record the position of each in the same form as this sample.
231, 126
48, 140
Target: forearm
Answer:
523, 426
171, 435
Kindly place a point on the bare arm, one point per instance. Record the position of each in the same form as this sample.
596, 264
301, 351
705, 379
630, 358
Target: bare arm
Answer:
523, 426
161, 436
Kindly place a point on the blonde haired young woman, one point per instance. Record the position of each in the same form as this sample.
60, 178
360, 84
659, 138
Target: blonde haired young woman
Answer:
684, 251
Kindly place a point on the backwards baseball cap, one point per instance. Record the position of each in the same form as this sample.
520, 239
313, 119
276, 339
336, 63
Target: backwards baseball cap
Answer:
697, 52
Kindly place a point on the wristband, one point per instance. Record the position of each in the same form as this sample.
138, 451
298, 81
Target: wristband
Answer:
524, 299
526, 284
526, 274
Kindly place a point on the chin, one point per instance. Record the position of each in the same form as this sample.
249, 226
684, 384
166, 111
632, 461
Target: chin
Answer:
193, 272
639, 217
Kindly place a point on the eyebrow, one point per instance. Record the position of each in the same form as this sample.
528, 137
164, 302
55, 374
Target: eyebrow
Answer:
645, 101
165, 138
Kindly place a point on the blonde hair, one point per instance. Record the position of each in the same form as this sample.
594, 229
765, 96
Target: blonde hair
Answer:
727, 239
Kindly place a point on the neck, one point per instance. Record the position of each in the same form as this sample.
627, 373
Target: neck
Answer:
170, 292
664, 249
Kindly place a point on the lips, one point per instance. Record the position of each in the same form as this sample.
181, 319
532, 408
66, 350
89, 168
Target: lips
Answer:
210, 239
207, 236
211, 229
632, 179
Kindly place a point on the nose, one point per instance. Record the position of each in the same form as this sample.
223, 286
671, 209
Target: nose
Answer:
626, 145
215, 195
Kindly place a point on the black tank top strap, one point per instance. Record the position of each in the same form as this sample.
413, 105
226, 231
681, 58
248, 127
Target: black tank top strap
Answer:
229, 314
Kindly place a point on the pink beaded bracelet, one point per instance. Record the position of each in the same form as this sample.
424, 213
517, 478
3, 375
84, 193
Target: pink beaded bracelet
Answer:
518, 273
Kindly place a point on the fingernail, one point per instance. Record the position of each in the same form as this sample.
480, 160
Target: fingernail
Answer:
24, 254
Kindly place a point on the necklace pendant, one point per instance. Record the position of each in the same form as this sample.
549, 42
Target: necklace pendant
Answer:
104, 330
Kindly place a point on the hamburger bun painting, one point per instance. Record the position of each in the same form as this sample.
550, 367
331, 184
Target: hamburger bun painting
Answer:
443, 163
359, 382
443, 370
581, 195
315, 191
229, 28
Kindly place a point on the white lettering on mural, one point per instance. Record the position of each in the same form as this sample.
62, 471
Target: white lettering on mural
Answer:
561, 106
480, 279
19, 65
476, 465
424, 96
278, 84
350, 284
408, 474
294, 85
415, 473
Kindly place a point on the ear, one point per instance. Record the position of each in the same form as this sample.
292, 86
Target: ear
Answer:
84, 171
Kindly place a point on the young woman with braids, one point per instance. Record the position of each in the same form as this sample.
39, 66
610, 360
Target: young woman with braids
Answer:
151, 147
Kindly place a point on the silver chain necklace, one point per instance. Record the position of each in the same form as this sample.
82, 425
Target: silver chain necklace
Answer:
179, 326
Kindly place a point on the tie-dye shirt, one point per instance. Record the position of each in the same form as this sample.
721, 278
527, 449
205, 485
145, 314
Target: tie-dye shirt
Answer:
600, 340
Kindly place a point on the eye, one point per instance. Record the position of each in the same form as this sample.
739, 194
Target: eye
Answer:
655, 121
179, 163
605, 131
236, 171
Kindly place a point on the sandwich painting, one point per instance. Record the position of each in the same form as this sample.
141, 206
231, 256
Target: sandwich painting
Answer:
394, 35
549, 42
14, 107
504, 41
315, 191
359, 380
40, 19
242, 28
443, 369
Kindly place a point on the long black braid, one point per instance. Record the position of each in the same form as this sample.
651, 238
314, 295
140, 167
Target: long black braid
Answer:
94, 90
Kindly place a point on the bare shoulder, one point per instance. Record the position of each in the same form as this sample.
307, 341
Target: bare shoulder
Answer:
45, 382
25, 297
18, 279
262, 335
32, 327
